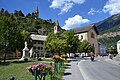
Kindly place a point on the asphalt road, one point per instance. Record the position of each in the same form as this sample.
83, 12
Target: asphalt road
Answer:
99, 70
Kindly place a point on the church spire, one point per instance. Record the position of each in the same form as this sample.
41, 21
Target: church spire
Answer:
37, 10
56, 23
36, 13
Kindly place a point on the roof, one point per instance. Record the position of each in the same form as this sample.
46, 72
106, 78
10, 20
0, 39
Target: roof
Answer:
85, 29
38, 37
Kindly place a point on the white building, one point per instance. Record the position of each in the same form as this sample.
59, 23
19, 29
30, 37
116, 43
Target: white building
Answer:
118, 47
38, 41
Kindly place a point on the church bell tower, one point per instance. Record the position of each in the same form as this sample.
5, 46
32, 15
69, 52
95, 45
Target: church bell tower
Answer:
56, 27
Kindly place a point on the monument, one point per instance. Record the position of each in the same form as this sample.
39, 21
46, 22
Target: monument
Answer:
25, 55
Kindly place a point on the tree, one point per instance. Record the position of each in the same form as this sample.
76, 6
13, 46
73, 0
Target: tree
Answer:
1, 11
48, 45
10, 36
80, 48
72, 42
58, 42
6, 13
86, 47
28, 15
33, 15
20, 13
16, 13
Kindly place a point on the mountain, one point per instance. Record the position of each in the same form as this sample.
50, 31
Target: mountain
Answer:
109, 30
108, 23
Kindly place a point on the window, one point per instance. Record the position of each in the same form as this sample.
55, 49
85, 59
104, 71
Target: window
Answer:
55, 27
92, 35
34, 47
38, 42
34, 42
41, 42
41, 48
81, 36
38, 48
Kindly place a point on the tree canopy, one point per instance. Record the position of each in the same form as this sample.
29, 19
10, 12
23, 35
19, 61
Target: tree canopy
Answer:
10, 35
66, 42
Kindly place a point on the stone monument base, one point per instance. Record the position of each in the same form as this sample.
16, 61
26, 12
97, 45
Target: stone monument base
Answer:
24, 59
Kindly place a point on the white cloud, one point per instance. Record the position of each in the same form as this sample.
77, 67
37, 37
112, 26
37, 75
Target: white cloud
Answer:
64, 5
93, 11
112, 7
66, 8
74, 22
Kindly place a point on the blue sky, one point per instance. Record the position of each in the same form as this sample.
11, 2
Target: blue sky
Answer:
70, 13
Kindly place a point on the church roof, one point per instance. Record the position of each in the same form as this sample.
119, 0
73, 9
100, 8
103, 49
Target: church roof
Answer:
85, 29
38, 37
57, 23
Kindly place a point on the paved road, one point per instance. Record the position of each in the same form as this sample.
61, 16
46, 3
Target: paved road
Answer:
72, 71
99, 70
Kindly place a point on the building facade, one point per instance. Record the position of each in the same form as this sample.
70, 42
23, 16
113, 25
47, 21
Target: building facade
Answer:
38, 41
90, 34
118, 47
102, 50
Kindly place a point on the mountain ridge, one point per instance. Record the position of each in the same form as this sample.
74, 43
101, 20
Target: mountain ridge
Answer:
109, 30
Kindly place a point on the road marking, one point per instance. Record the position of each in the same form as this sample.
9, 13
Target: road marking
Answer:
82, 72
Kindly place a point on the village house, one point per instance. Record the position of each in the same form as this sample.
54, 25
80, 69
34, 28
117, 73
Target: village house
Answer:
90, 34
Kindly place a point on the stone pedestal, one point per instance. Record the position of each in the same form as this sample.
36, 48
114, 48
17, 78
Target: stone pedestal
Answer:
25, 55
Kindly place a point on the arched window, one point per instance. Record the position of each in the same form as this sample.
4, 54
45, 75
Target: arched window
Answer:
92, 35
81, 36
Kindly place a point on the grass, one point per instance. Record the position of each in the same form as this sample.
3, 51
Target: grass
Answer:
19, 71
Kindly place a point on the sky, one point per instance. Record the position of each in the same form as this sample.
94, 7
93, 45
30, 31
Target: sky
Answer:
70, 13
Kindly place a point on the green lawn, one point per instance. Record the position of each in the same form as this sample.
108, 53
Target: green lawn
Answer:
19, 71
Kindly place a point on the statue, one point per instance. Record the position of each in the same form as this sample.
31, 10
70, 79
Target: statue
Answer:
25, 55
25, 44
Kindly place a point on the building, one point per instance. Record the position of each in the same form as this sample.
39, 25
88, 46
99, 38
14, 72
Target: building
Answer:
118, 47
87, 32
90, 34
57, 27
102, 49
38, 41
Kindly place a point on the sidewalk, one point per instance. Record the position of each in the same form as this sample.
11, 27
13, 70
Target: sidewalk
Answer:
72, 71
113, 61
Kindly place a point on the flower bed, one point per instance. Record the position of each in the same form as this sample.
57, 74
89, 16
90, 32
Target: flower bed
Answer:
40, 68
57, 58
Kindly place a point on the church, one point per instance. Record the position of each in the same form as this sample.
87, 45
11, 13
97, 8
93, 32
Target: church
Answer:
89, 33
